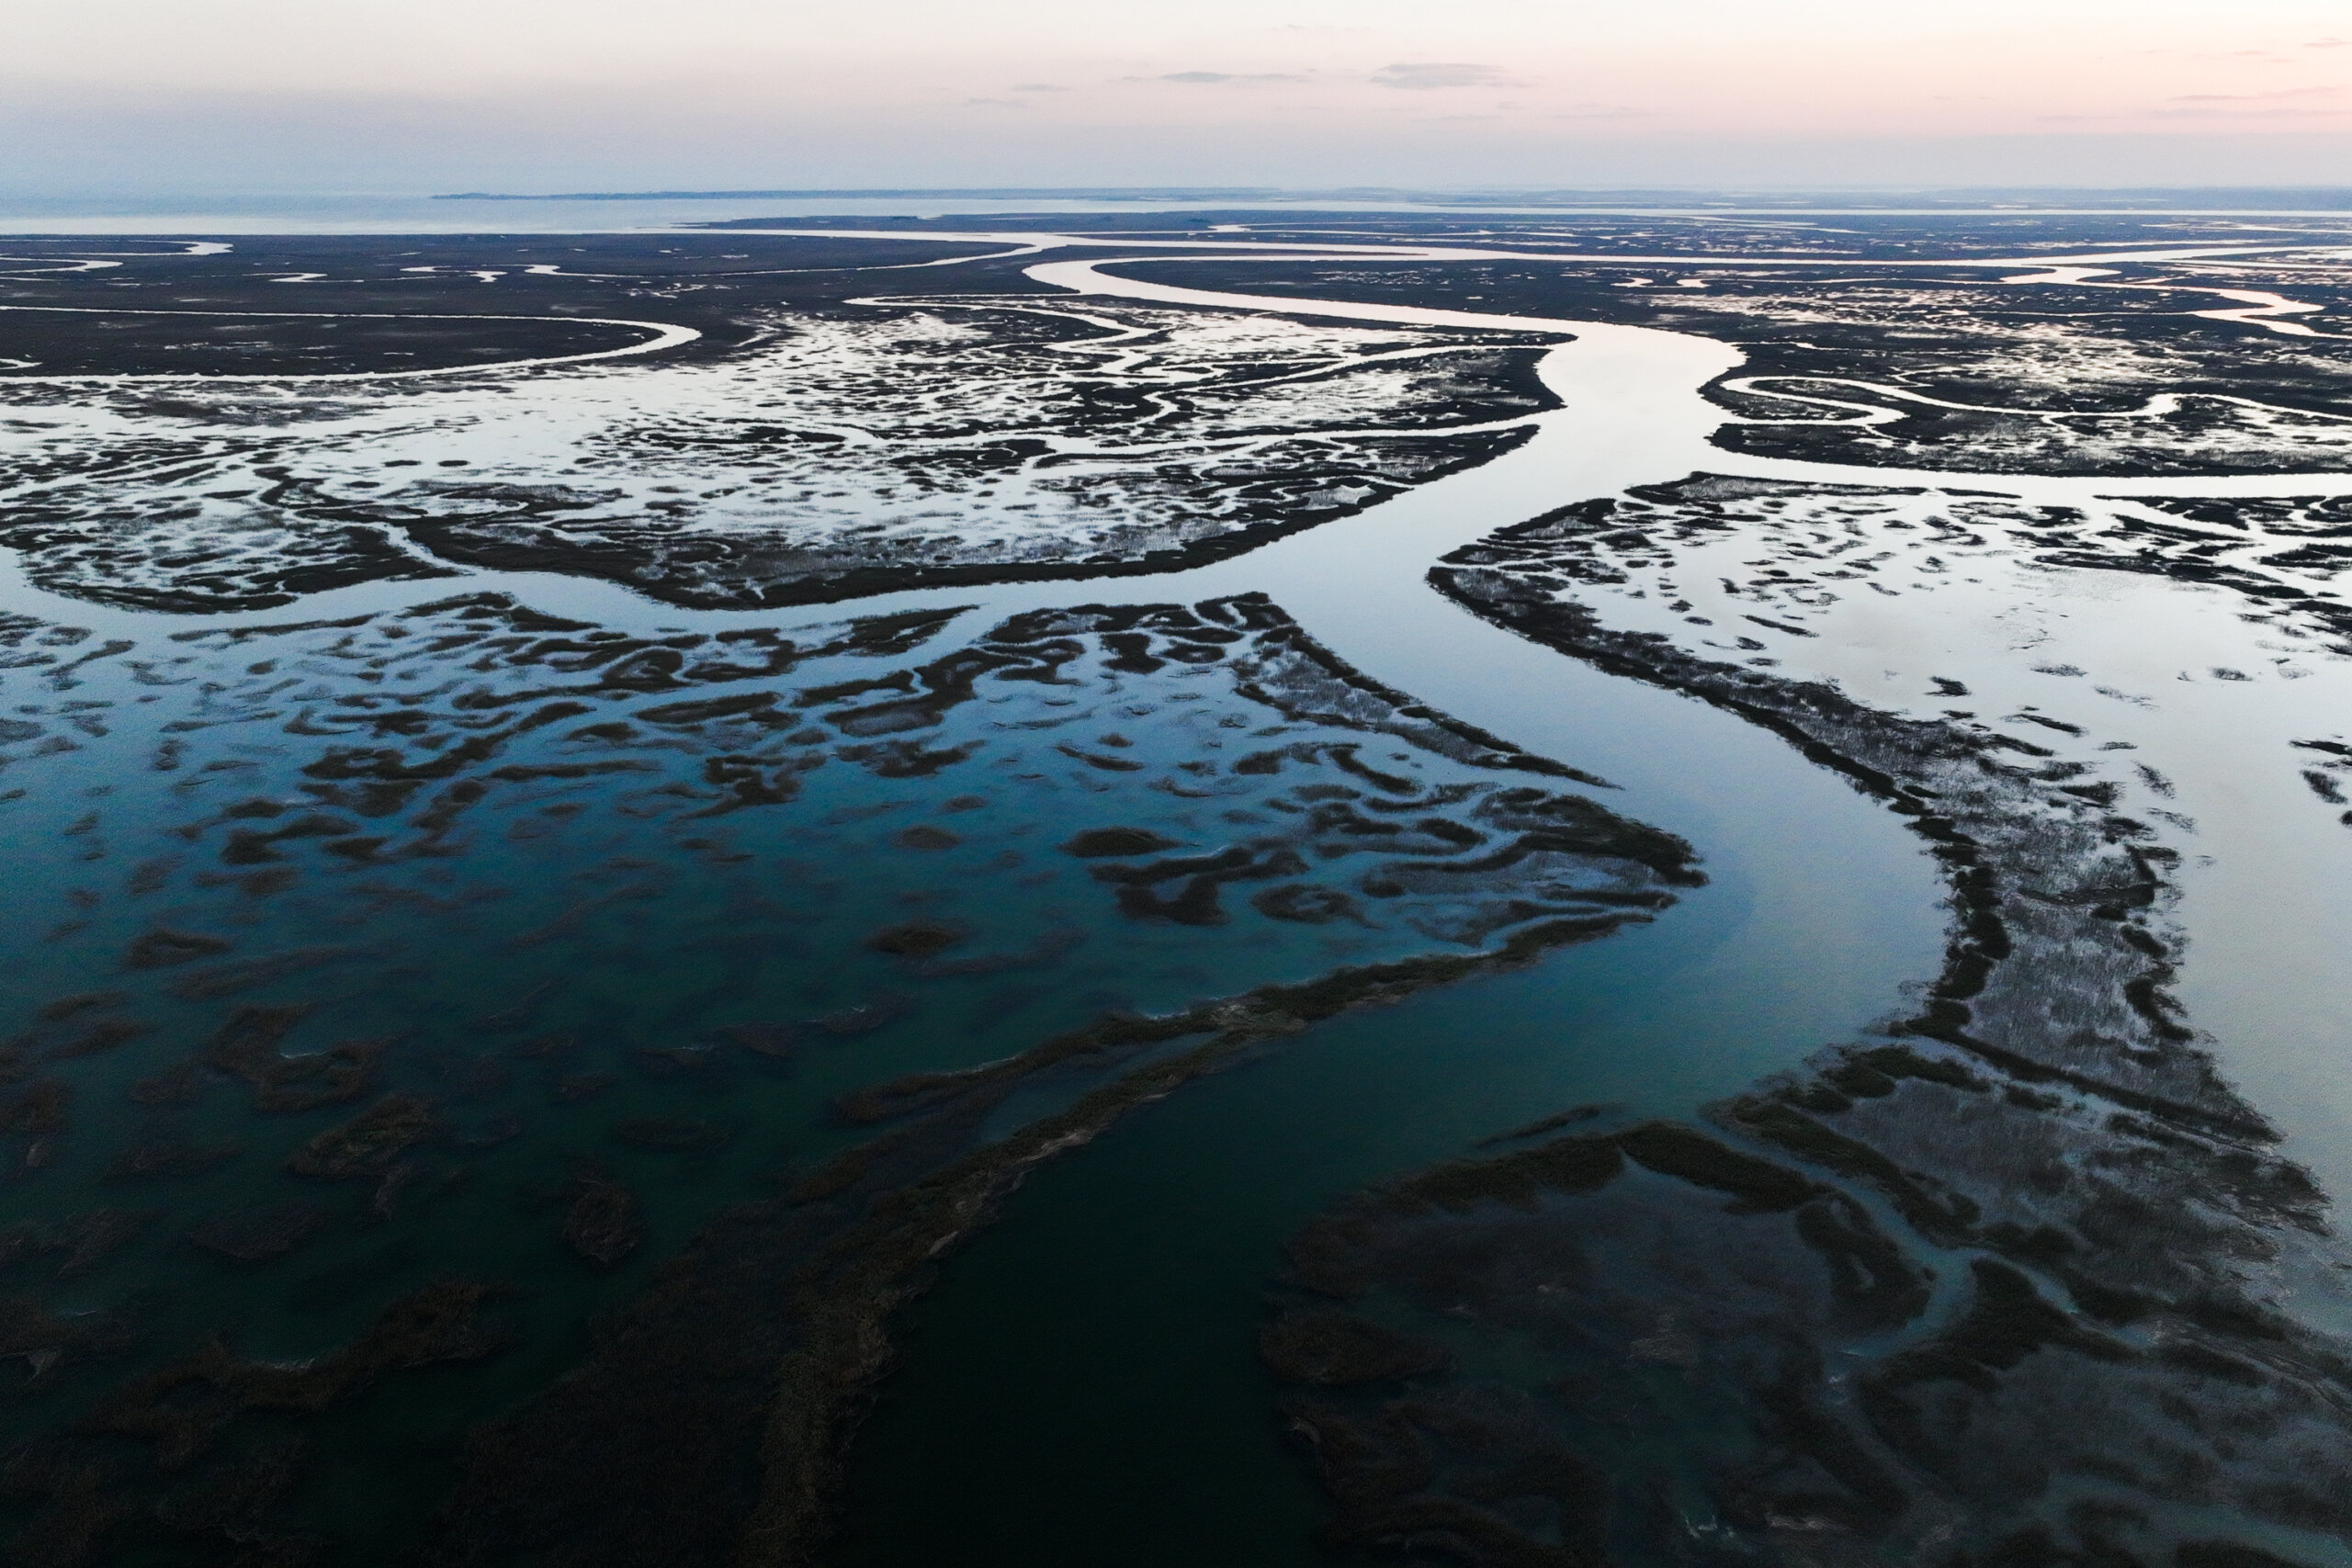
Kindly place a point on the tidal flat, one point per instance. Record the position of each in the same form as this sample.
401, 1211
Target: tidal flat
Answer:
1308, 888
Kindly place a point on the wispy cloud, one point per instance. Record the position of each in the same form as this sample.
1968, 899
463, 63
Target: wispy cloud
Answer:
1038, 87
2287, 105
1224, 78
1427, 74
2254, 98
2314, 112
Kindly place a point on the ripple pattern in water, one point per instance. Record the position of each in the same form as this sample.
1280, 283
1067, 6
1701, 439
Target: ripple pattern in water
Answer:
406, 985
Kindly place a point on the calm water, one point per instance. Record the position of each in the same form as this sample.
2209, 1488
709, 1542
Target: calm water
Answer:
219, 844
609, 900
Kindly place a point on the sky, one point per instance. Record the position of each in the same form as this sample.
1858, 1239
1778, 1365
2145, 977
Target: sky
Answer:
416, 95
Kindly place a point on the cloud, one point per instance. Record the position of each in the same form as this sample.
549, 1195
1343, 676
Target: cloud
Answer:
2313, 113
1038, 87
2330, 43
1439, 74
995, 103
1220, 78
2254, 98
2218, 107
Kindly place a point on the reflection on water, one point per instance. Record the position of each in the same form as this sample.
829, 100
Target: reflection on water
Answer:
395, 991
487, 1083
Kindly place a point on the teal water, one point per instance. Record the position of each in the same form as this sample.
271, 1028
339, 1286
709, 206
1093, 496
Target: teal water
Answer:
1083, 1384
608, 905
605, 908
603, 904
1085, 1381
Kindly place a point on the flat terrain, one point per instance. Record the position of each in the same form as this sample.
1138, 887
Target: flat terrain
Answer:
598, 817
847, 419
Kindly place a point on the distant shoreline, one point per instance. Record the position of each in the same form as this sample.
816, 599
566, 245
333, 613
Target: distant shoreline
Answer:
2333, 198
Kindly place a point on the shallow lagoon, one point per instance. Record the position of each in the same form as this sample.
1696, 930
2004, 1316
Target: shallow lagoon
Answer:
1121, 1407
631, 947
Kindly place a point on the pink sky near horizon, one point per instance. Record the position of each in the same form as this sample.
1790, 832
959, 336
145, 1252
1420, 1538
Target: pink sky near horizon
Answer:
545, 94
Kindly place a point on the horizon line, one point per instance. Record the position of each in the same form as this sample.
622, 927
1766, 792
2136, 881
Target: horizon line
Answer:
1406, 193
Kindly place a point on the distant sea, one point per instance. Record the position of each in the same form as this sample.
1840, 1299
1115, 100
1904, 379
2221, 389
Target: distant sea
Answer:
421, 214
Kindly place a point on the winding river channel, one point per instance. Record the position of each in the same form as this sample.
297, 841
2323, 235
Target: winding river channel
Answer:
2267, 977
1063, 1355
2273, 881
